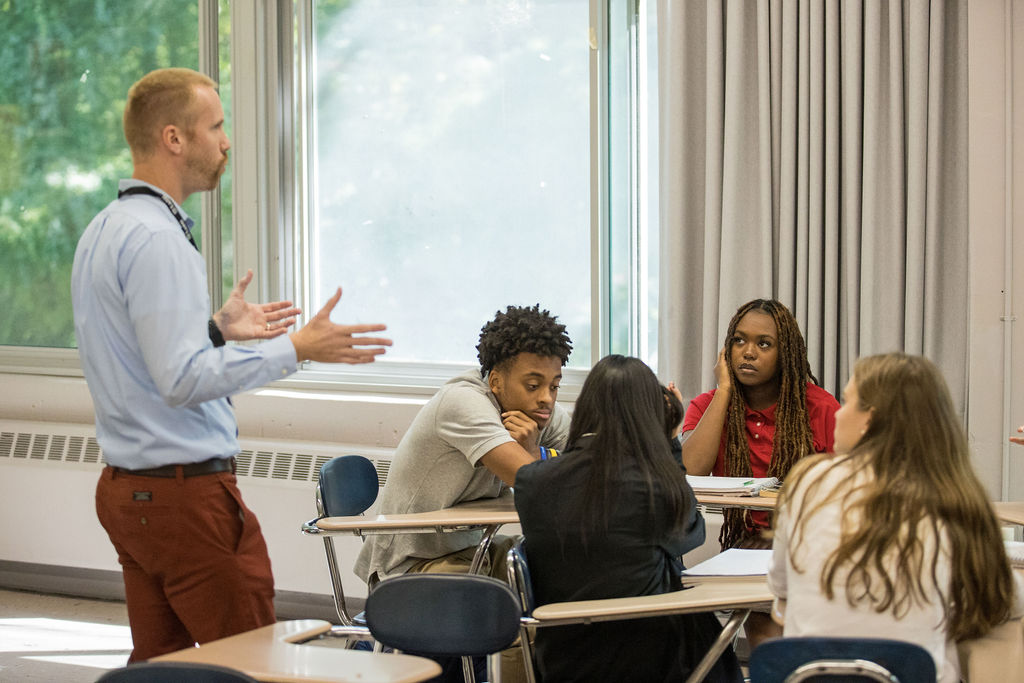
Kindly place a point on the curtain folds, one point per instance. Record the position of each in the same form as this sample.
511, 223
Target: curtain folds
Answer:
814, 152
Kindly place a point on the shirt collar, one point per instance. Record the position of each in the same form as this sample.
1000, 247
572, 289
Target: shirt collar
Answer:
126, 183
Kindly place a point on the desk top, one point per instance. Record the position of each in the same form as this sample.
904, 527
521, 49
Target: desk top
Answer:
272, 653
1010, 511
702, 597
474, 514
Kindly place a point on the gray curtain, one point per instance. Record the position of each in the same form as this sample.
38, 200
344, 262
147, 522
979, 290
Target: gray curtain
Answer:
814, 152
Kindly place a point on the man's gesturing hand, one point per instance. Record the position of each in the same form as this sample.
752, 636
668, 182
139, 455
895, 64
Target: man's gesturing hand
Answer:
324, 341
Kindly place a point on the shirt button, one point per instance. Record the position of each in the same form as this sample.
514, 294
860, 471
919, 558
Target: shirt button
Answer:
757, 436
758, 424
284, 372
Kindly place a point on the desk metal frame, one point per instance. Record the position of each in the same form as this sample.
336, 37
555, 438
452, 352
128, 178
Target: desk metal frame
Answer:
488, 514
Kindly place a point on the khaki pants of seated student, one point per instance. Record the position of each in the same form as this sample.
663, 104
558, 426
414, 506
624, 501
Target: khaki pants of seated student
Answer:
496, 565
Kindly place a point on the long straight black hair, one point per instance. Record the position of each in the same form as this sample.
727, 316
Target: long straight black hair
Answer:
622, 408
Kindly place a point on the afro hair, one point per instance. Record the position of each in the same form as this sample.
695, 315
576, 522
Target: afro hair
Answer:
521, 329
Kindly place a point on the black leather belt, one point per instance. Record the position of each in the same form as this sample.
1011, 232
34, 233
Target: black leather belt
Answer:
194, 469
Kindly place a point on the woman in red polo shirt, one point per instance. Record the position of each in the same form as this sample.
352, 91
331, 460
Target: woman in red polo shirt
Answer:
767, 412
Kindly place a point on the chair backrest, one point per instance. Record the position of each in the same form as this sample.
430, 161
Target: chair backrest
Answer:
175, 672
443, 614
789, 660
348, 485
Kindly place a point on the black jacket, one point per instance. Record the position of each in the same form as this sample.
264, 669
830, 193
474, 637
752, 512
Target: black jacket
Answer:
636, 556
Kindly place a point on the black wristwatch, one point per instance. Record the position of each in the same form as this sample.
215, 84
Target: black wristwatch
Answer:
215, 336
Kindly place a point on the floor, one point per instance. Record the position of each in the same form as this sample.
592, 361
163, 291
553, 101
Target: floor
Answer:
51, 639
60, 639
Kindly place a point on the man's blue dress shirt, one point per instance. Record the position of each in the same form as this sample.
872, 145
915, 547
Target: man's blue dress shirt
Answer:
159, 387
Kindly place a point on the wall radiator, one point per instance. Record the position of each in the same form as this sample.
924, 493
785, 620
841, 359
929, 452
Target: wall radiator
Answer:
48, 474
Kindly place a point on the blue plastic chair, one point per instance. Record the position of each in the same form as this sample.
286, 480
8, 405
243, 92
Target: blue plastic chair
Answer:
445, 615
792, 660
347, 486
175, 672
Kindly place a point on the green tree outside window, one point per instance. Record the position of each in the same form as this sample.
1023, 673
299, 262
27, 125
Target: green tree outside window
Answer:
67, 67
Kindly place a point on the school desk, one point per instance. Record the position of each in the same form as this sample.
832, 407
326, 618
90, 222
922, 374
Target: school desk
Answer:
1010, 511
276, 653
742, 596
488, 514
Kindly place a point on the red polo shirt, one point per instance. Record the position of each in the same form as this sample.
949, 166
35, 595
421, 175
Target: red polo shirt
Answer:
821, 413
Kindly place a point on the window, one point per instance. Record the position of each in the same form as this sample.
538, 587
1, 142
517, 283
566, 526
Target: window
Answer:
452, 170
439, 159
67, 68
452, 167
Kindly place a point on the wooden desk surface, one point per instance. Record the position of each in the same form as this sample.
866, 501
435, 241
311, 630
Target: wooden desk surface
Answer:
702, 597
480, 513
476, 513
273, 653
1010, 511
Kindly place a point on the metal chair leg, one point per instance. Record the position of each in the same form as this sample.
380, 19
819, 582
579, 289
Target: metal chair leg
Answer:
716, 650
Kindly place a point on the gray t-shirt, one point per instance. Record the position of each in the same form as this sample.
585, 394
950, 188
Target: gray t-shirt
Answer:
436, 465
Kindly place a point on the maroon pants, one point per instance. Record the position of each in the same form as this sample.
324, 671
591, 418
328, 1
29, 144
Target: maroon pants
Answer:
194, 560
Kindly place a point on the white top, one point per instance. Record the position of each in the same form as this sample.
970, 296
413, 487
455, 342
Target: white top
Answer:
810, 613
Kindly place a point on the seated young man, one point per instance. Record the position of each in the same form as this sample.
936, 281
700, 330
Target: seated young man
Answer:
469, 441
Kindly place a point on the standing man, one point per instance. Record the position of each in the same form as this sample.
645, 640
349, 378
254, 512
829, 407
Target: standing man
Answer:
194, 560
469, 441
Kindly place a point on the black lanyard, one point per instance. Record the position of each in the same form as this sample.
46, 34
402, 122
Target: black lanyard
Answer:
142, 189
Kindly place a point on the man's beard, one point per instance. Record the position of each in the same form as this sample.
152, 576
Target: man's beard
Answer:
207, 172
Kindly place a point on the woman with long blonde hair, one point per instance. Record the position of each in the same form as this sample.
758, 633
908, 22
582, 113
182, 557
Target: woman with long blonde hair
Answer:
893, 536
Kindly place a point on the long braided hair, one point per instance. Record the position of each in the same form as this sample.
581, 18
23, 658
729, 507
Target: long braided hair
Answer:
793, 439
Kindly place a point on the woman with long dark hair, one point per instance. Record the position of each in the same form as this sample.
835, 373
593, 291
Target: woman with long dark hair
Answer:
610, 518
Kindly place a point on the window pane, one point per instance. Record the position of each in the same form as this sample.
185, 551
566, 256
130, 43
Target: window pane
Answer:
67, 67
452, 167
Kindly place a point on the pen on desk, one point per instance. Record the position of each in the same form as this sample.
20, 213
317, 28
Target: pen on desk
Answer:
748, 483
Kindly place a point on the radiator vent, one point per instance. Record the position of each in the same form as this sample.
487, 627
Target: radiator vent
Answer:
54, 443
44, 445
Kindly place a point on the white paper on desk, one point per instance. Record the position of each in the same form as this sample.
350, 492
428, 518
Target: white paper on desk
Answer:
732, 564
734, 486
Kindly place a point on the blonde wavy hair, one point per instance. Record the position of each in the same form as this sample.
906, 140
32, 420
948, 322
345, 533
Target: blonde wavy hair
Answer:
922, 486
